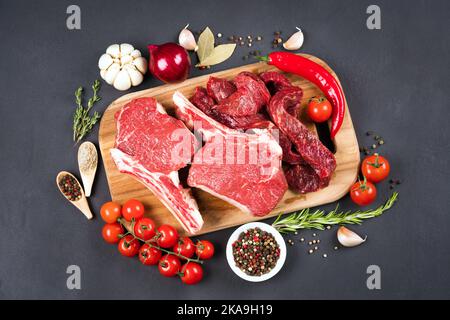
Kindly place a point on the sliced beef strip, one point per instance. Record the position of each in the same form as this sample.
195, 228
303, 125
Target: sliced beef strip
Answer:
251, 96
275, 81
219, 89
306, 143
205, 103
302, 178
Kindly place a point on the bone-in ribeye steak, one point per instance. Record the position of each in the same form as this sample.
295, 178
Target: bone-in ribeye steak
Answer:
148, 147
242, 169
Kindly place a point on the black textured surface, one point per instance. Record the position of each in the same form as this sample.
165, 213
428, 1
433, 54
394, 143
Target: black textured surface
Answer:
396, 82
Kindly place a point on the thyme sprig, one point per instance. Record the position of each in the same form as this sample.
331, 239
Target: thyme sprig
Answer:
83, 122
318, 219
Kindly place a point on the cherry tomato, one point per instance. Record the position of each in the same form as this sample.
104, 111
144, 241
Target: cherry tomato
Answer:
169, 265
111, 231
145, 229
375, 168
185, 247
149, 255
110, 212
128, 246
132, 209
363, 193
319, 109
204, 249
167, 236
192, 273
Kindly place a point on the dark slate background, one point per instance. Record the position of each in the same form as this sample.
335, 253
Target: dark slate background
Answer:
396, 81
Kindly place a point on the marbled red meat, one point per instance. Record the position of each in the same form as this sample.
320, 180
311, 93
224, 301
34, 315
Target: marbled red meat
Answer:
251, 96
250, 177
302, 178
275, 81
219, 89
147, 148
307, 144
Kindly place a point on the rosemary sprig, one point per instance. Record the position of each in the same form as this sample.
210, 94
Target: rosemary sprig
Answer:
82, 121
319, 219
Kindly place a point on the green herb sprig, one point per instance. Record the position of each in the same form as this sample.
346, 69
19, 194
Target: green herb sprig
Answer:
83, 122
319, 219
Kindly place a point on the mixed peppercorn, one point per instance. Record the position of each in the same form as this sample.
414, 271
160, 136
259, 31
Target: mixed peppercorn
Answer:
256, 252
70, 188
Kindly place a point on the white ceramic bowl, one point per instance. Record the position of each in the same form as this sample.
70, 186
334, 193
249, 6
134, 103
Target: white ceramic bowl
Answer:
265, 227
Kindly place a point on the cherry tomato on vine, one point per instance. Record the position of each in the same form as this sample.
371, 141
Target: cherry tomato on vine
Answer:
363, 193
319, 109
192, 273
128, 246
133, 209
185, 247
145, 229
111, 232
169, 265
149, 255
204, 249
167, 236
110, 212
375, 168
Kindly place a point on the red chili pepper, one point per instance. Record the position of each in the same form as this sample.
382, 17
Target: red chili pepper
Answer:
311, 71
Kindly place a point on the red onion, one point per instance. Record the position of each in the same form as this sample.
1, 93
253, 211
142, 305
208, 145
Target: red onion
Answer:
169, 62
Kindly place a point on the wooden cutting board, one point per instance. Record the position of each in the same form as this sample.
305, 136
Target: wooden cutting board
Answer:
216, 213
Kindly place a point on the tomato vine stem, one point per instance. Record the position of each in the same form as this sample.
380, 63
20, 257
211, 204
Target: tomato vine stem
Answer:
151, 243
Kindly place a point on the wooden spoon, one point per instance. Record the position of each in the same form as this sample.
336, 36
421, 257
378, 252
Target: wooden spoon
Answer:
81, 204
87, 176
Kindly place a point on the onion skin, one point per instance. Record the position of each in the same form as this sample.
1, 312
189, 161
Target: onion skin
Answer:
169, 62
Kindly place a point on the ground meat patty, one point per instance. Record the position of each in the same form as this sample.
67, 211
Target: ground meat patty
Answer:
219, 89
306, 143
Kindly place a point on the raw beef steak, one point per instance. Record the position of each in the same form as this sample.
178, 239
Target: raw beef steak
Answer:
153, 146
242, 169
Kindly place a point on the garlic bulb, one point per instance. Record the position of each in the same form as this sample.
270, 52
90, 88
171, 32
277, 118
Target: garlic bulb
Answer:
348, 238
295, 42
122, 66
187, 40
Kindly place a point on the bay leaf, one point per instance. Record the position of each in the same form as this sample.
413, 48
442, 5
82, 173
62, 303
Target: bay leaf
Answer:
218, 55
205, 44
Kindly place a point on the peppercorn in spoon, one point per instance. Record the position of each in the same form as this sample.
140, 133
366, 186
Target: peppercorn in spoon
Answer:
71, 189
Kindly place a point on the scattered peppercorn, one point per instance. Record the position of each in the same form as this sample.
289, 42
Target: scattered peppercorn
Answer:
256, 252
70, 187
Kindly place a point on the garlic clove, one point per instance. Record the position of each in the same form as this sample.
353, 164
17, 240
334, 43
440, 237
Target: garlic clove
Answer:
348, 238
136, 53
295, 42
125, 59
111, 73
141, 64
187, 40
105, 61
103, 74
122, 81
135, 76
113, 50
126, 49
